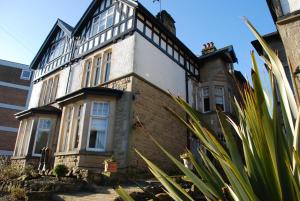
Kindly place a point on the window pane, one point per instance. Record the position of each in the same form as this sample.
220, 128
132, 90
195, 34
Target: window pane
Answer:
163, 44
41, 142
148, 32
97, 72
98, 133
100, 109
206, 104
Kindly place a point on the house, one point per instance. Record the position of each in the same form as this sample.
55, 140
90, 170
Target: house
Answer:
286, 16
276, 44
15, 79
99, 89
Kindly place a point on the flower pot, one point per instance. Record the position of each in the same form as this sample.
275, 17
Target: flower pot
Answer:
110, 166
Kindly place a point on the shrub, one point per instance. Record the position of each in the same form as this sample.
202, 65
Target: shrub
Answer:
60, 170
18, 194
9, 171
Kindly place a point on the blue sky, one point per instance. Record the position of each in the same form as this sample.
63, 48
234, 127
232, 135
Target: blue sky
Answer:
24, 24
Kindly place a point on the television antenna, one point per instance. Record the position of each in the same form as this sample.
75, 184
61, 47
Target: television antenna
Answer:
159, 7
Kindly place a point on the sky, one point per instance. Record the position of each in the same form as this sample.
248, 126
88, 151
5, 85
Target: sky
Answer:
24, 24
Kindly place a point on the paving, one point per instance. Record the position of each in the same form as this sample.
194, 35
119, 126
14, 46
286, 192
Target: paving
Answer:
101, 194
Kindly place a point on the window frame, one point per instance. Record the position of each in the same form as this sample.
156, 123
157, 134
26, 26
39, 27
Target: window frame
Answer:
36, 134
106, 73
24, 77
107, 118
217, 95
203, 97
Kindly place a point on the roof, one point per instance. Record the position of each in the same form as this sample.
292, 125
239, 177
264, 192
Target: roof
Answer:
38, 110
12, 64
240, 77
83, 92
268, 37
58, 24
227, 53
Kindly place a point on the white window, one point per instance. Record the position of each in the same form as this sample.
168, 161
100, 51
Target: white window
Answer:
219, 98
231, 100
103, 21
97, 72
26, 74
107, 66
87, 74
67, 129
98, 126
41, 136
95, 26
78, 126
205, 99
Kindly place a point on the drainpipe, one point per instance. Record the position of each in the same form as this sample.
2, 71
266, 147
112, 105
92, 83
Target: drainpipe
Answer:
187, 100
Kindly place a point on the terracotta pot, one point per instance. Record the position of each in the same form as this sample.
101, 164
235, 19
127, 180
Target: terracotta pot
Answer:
111, 166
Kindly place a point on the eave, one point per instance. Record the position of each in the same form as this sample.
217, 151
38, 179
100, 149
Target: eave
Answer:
38, 110
227, 53
84, 92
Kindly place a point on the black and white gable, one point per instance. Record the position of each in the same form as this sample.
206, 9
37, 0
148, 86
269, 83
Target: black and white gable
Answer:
56, 49
103, 21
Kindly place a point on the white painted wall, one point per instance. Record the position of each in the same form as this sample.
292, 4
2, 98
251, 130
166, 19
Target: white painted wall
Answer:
63, 82
157, 68
122, 58
35, 95
289, 6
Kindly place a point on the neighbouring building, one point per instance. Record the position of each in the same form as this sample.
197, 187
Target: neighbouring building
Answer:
99, 89
286, 16
15, 80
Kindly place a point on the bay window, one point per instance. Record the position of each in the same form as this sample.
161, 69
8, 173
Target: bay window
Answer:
205, 99
78, 126
41, 136
219, 98
67, 129
98, 126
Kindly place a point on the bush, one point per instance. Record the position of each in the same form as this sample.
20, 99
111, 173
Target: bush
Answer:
60, 170
18, 193
9, 171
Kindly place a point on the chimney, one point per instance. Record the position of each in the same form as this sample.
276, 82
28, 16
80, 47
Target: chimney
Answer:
166, 19
208, 48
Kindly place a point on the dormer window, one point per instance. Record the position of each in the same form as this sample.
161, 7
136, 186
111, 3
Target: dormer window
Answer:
103, 21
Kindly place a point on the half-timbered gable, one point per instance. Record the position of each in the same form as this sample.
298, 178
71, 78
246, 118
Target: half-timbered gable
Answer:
56, 50
104, 22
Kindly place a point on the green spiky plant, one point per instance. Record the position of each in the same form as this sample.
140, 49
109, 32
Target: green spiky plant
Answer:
268, 169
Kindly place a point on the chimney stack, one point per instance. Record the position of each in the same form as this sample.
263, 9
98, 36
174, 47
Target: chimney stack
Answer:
166, 19
208, 48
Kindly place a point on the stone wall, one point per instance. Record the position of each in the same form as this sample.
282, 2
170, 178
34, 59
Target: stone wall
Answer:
289, 29
148, 108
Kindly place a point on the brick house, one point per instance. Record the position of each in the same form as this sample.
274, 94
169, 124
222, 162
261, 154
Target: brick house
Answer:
92, 83
286, 16
15, 91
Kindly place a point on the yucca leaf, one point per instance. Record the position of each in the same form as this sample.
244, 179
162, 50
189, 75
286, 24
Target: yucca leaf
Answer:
123, 194
177, 192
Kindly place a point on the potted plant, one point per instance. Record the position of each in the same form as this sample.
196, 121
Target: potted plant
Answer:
110, 165
186, 160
